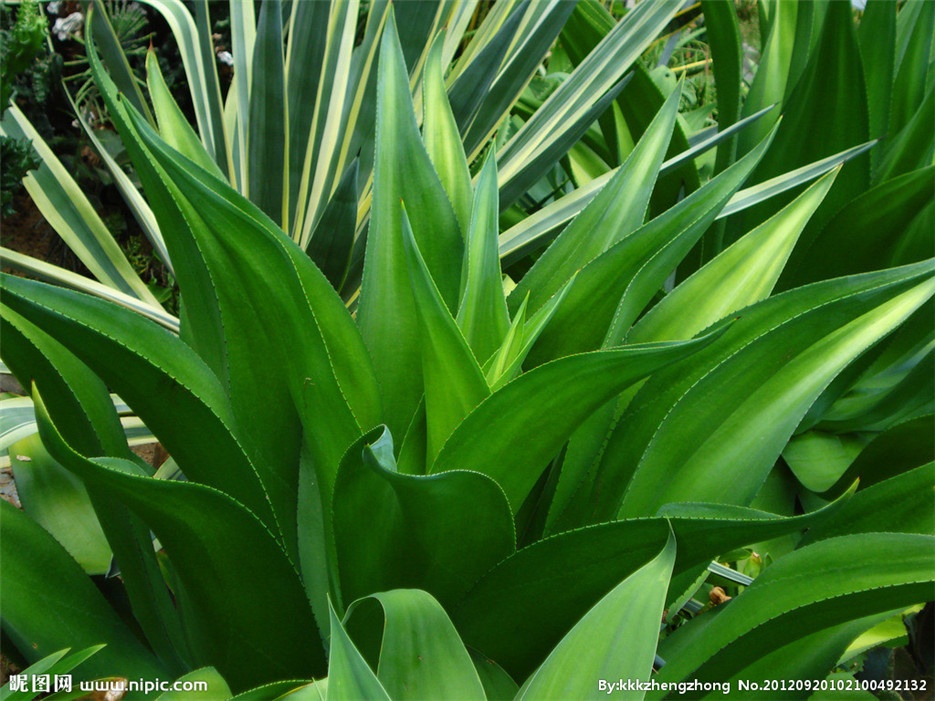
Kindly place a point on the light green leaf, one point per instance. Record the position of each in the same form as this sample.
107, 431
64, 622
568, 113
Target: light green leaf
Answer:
615, 640
454, 383
350, 677
421, 655
442, 141
482, 313
403, 171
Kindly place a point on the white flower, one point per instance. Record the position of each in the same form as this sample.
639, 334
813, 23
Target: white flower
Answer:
63, 28
226, 58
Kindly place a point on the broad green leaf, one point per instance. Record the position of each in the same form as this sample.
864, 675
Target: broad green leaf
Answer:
420, 531
201, 326
173, 127
821, 117
519, 610
732, 430
864, 234
482, 312
267, 141
623, 627
157, 374
616, 212
86, 414
743, 274
252, 260
421, 655
612, 289
818, 459
901, 504
454, 383
548, 402
498, 685
68, 210
41, 613
230, 622
403, 171
349, 676
442, 141
812, 589
58, 501
893, 452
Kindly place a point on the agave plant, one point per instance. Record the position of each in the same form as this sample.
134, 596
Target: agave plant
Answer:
470, 483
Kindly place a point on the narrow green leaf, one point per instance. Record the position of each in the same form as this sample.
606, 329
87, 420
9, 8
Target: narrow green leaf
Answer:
743, 274
616, 212
333, 239
173, 127
823, 327
267, 144
722, 31
116, 60
419, 530
623, 626
442, 141
403, 171
914, 64
454, 383
68, 210
611, 290
823, 585
482, 312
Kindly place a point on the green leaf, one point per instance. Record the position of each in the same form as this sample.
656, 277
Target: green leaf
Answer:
454, 383
482, 312
332, 242
403, 171
419, 531
548, 402
173, 127
421, 655
165, 382
58, 502
520, 609
442, 141
818, 459
635, 606
772, 384
722, 31
41, 613
350, 677
55, 664
612, 289
267, 142
743, 274
871, 510
616, 212
230, 622
66, 207
820, 586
